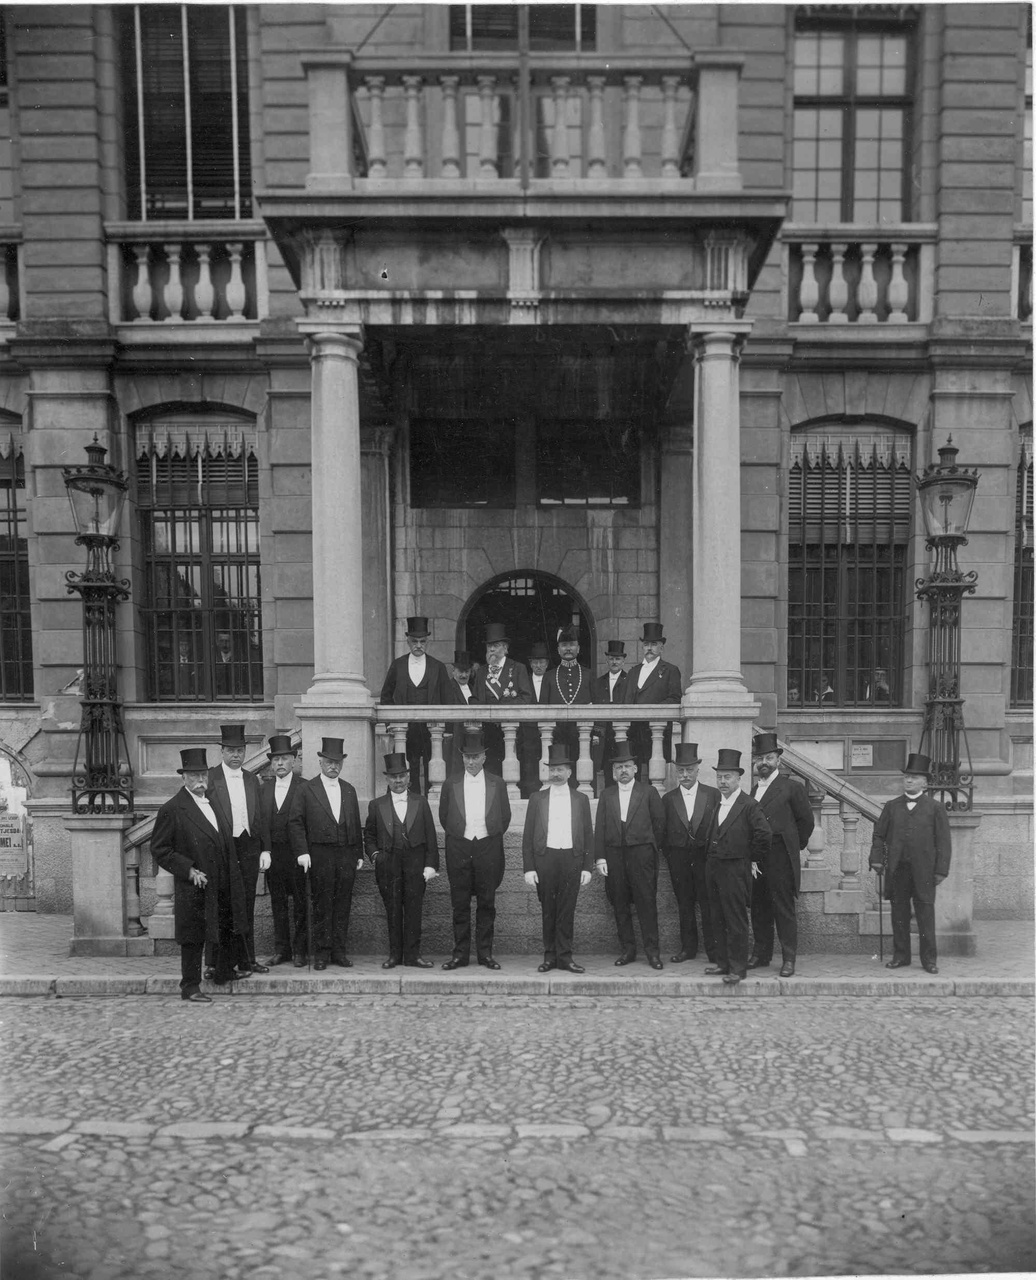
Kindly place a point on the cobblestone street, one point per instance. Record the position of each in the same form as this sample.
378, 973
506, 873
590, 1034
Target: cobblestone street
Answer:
476, 1136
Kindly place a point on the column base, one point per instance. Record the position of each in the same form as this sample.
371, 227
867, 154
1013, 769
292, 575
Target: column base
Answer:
715, 722
100, 926
338, 688
111, 946
351, 723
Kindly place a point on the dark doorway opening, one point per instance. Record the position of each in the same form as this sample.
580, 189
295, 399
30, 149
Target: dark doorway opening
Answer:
533, 607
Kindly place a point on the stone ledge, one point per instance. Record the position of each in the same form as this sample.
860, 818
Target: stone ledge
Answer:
101, 987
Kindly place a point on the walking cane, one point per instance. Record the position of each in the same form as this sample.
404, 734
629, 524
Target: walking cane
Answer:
881, 926
309, 919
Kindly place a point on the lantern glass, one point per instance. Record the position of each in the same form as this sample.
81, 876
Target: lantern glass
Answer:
97, 502
946, 504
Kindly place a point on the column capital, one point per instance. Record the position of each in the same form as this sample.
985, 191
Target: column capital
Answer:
326, 340
717, 341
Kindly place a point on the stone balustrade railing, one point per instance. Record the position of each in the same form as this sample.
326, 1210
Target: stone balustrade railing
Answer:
494, 118
840, 275
187, 273
1022, 272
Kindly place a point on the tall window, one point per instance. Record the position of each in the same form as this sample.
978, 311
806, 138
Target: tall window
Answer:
198, 496
475, 28
1022, 613
185, 107
850, 503
588, 464
851, 122
1027, 133
15, 622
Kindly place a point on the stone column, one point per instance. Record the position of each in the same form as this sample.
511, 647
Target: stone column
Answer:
676, 484
717, 707
376, 449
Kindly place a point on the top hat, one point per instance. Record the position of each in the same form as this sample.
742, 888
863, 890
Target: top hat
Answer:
472, 744
417, 627
729, 761
615, 649
395, 762
232, 735
282, 745
462, 659
192, 760
623, 755
558, 753
687, 753
332, 749
764, 743
569, 634
652, 632
496, 632
917, 763
539, 650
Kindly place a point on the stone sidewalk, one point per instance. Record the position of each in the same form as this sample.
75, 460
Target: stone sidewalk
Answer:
34, 961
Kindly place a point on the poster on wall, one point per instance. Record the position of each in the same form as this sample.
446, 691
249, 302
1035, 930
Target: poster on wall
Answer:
13, 854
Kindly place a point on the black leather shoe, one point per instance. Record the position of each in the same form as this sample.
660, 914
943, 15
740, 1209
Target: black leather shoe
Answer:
196, 997
256, 967
655, 962
489, 963
681, 956
343, 962
897, 964
209, 975
626, 959
239, 975
755, 963
930, 968
572, 967
280, 958
717, 968
732, 979
455, 963
546, 966
299, 962
319, 964
788, 969
419, 963
389, 964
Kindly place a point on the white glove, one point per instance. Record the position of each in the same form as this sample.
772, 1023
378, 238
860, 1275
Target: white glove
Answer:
531, 879
584, 878
304, 861
430, 873
602, 866
264, 861
359, 864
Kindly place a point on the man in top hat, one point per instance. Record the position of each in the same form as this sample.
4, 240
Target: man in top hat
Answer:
609, 687
462, 694
502, 682
652, 680
630, 827
416, 679
474, 812
276, 796
399, 838
738, 840
557, 857
786, 806
234, 794
191, 843
688, 810
326, 838
911, 844
530, 747
569, 685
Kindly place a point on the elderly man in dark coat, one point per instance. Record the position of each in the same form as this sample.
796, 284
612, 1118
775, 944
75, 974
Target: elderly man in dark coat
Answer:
784, 802
195, 847
911, 844
416, 679
276, 796
652, 680
688, 811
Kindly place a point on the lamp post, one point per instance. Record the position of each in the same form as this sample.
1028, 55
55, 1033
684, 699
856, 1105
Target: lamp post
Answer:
946, 492
102, 779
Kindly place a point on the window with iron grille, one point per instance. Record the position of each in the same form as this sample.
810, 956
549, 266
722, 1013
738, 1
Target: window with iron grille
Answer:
475, 28
198, 497
852, 120
850, 501
1022, 612
185, 110
15, 622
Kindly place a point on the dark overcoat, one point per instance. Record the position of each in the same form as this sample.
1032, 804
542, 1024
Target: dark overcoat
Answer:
312, 822
275, 821
787, 810
398, 691
645, 821
744, 834
921, 836
419, 827
681, 834
219, 797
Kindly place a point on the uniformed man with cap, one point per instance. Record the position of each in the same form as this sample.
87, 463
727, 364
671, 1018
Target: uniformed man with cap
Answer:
276, 796
324, 826
652, 680
688, 810
557, 857
784, 802
416, 679
608, 687
399, 838
911, 845
234, 794
737, 841
502, 682
569, 685
196, 848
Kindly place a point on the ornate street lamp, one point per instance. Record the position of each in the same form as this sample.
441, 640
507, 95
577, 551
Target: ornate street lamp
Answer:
946, 492
103, 782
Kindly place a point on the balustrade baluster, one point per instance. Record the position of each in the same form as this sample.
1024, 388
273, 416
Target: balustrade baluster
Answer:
142, 284
173, 297
165, 888
134, 928
436, 761
596, 151
487, 160
585, 764
413, 145
816, 846
867, 295
204, 292
236, 283
899, 291
377, 166
546, 737
631, 141
838, 290
670, 140
621, 730
657, 765
398, 732
809, 289
450, 132
511, 769
559, 134
850, 847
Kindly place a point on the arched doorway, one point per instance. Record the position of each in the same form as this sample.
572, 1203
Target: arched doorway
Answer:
533, 606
